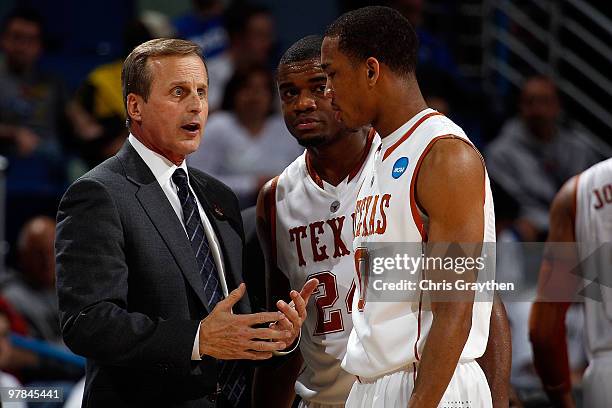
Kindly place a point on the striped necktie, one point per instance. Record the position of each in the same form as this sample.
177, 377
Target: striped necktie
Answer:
232, 380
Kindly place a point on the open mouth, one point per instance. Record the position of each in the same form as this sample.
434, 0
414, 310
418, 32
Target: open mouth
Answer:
191, 127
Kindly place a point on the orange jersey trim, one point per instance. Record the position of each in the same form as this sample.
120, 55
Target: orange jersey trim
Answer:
364, 155
575, 205
416, 342
410, 131
319, 181
312, 172
416, 213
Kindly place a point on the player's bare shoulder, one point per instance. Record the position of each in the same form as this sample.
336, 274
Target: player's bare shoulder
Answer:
451, 165
564, 203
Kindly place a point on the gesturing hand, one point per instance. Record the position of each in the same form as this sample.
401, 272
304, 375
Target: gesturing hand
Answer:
227, 336
295, 313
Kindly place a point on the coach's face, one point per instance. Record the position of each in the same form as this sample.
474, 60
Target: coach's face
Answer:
308, 113
170, 122
346, 85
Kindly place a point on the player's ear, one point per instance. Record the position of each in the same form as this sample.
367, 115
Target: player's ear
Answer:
134, 107
373, 70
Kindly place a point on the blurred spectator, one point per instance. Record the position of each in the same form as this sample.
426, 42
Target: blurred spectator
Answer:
32, 103
246, 144
98, 110
12, 359
204, 26
31, 290
33, 123
537, 152
252, 35
7, 380
251, 43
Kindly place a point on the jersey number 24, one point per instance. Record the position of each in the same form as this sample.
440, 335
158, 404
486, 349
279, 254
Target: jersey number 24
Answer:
329, 320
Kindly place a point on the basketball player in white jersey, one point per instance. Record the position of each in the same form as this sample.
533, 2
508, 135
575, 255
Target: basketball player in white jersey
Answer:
305, 220
581, 213
426, 183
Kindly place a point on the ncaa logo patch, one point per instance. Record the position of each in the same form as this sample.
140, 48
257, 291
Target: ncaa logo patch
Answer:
399, 167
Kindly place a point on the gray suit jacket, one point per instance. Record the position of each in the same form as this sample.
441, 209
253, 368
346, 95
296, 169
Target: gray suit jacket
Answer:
130, 296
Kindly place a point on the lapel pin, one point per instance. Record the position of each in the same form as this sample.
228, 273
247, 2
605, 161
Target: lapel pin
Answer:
218, 210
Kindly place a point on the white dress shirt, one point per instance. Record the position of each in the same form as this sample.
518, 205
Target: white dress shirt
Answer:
163, 169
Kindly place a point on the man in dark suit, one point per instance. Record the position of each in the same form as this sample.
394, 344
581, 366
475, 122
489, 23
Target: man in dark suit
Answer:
149, 256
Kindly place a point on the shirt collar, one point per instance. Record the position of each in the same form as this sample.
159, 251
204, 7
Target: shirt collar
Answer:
162, 168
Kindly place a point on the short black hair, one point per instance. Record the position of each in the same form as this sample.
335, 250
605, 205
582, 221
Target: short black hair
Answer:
379, 32
304, 49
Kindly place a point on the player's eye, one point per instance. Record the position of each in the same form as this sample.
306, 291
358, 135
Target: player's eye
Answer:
290, 93
201, 93
320, 89
178, 91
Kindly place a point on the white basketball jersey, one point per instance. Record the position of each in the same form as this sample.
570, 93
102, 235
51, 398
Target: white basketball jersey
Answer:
594, 229
314, 235
388, 336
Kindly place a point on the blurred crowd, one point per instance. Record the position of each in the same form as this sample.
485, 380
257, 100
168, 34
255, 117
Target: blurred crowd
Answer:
50, 135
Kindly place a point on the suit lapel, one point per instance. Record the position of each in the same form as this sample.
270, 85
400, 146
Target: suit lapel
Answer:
155, 203
161, 213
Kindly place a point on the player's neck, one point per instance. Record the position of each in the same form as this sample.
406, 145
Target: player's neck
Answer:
335, 161
398, 108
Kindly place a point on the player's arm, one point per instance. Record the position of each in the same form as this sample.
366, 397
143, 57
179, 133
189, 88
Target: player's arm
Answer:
450, 188
497, 360
547, 319
273, 385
